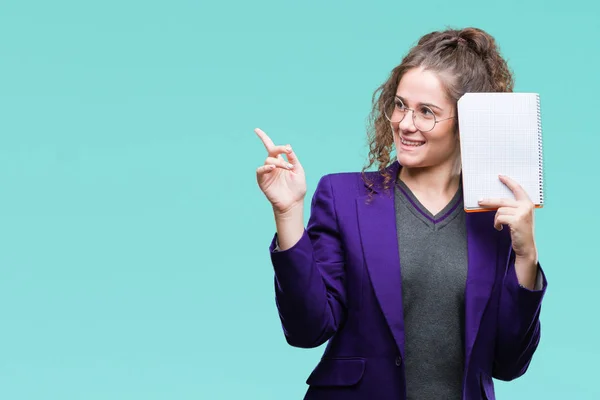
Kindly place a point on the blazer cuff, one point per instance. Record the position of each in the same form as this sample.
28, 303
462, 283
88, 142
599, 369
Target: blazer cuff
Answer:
274, 246
540, 282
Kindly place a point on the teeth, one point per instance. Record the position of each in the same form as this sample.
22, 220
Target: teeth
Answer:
410, 143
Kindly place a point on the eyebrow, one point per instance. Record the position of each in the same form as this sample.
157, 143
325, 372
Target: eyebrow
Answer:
422, 104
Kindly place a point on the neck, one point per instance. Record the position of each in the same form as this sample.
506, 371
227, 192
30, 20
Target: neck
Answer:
442, 180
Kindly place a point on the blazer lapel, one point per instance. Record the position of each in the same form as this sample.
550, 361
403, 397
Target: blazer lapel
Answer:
482, 248
377, 225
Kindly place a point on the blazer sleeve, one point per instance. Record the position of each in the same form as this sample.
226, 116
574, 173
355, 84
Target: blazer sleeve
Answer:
518, 324
309, 277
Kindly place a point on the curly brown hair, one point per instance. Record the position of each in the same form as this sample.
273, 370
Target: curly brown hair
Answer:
466, 60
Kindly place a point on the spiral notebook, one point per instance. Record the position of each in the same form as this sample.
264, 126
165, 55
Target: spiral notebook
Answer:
500, 134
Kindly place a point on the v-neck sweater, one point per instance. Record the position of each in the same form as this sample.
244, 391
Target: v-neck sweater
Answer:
433, 263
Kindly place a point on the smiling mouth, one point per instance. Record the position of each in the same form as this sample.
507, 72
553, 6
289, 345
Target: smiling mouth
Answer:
410, 142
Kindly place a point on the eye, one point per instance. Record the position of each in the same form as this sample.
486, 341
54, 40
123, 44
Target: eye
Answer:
399, 104
426, 112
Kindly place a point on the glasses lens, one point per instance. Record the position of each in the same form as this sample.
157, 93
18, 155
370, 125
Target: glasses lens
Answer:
424, 119
392, 111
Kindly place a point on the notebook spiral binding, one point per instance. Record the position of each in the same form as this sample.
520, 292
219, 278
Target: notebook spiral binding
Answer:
540, 150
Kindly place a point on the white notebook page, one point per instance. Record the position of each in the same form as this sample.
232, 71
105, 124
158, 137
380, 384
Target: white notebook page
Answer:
500, 134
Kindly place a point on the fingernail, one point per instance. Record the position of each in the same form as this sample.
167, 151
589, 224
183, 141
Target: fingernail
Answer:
480, 201
288, 147
290, 166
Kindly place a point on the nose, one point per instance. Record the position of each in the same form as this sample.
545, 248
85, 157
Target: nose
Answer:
408, 124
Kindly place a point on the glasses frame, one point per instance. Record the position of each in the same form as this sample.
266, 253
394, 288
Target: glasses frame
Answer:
407, 109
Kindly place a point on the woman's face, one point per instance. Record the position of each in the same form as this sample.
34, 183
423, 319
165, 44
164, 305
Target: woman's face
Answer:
422, 91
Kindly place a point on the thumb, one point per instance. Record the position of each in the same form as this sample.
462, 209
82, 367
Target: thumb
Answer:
293, 158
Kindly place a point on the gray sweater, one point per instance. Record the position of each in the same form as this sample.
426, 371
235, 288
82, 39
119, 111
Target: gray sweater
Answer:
433, 262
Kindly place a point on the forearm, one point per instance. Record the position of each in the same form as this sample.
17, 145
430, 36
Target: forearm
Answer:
290, 226
518, 323
526, 269
309, 267
309, 303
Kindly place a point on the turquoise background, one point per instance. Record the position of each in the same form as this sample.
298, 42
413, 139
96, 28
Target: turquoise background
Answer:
133, 238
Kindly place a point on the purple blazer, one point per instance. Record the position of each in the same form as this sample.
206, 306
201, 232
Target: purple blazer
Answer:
341, 283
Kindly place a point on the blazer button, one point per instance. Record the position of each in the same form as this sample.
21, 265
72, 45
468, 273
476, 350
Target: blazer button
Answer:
398, 361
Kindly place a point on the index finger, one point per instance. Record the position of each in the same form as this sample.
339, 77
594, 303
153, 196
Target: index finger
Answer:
518, 191
497, 203
265, 139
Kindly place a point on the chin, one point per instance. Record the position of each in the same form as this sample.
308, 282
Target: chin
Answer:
409, 161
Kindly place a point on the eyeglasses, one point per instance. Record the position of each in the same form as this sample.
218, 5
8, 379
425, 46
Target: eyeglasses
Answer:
424, 119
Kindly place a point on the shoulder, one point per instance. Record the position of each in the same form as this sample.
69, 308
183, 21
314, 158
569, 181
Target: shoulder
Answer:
345, 183
358, 183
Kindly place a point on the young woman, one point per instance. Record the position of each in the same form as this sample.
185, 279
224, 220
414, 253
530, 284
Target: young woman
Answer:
416, 298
